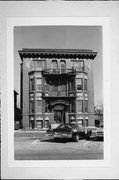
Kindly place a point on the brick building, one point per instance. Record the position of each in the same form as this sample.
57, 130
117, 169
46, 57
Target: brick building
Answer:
17, 113
57, 86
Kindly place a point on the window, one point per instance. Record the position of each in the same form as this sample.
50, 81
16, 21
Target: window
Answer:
46, 86
38, 96
39, 124
31, 107
97, 123
72, 84
86, 122
31, 96
75, 65
80, 122
46, 107
44, 64
33, 65
54, 64
38, 106
80, 106
81, 65
85, 84
38, 84
32, 84
79, 84
54, 88
86, 106
63, 66
73, 106
46, 123
62, 87
61, 90
39, 65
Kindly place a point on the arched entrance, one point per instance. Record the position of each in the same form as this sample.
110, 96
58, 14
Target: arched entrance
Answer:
59, 113
60, 108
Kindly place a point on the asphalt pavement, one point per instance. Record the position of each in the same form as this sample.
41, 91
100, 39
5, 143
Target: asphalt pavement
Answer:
35, 145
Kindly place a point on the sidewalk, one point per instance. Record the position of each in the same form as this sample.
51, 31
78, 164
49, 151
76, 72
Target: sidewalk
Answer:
30, 131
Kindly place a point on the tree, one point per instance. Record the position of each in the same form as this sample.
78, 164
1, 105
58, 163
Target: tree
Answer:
99, 112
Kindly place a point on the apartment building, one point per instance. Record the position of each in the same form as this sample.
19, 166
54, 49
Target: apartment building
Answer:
57, 87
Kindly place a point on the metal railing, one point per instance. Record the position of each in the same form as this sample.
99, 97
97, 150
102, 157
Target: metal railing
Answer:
59, 71
65, 71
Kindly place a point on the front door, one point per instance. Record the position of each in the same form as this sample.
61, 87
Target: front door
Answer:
59, 116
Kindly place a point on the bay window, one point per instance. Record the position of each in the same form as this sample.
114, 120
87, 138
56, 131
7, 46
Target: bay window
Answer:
80, 106
38, 106
79, 84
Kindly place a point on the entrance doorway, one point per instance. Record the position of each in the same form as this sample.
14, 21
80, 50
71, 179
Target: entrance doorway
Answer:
59, 114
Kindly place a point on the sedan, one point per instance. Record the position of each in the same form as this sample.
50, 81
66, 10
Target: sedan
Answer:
67, 131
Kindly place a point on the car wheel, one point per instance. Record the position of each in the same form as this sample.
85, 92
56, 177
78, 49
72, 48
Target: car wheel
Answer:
76, 137
55, 139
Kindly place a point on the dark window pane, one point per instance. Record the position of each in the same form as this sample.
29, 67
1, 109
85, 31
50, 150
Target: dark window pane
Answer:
72, 85
86, 106
73, 106
85, 84
31, 106
46, 106
32, 84
79, 84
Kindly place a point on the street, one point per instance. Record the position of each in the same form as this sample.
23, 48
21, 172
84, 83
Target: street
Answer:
37, 146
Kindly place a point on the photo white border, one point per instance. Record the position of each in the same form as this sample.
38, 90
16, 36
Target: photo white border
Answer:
59, 21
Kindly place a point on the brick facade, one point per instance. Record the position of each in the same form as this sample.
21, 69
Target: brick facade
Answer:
57, 86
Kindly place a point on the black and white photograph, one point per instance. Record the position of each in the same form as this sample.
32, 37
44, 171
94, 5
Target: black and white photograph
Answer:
58, 93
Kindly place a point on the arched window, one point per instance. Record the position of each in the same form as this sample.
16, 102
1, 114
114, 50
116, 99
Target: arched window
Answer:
63, 65
81, 65
32, 84
54, 64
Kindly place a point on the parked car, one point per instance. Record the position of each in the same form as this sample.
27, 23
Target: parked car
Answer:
94, 132
67, 131
90, 132
99, 132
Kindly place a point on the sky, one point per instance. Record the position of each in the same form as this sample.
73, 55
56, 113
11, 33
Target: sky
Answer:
61, 37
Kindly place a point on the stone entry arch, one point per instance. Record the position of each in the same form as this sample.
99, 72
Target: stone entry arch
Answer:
59, 108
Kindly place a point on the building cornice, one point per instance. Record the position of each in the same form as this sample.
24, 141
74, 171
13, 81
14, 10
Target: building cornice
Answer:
57, 53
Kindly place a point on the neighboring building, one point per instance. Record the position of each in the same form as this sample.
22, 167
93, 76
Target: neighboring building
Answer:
57, 86
98, 116
17, 114
0, 115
